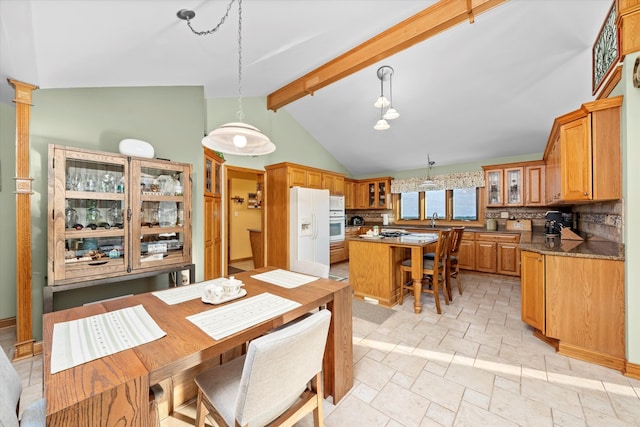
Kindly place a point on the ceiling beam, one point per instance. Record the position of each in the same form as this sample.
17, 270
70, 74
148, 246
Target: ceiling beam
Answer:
419, 27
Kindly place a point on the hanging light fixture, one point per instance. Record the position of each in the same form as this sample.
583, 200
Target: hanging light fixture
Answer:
237, 137
385, 73
381, 124
428, 183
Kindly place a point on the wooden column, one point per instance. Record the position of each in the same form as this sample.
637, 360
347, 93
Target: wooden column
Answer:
24, 312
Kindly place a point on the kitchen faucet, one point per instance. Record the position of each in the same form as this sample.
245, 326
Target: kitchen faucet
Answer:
433, 219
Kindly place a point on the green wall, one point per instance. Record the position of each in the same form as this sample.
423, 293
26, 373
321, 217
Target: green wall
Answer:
7, 211
293, 142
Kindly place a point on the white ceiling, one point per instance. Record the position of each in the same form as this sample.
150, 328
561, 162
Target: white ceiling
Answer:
478, 91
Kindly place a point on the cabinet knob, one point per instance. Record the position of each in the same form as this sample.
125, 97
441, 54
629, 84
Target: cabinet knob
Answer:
585, 193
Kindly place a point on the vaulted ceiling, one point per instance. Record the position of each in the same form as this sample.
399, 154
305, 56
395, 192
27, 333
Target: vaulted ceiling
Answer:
476, 91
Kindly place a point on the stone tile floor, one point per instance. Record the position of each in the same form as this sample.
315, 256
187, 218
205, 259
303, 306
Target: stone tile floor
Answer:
477, 364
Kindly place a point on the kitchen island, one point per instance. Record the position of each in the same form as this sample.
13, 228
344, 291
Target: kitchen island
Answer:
374, 266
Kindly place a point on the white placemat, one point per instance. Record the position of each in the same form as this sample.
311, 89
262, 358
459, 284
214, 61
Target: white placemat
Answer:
83, 340
185, 293
286, 279
229, 319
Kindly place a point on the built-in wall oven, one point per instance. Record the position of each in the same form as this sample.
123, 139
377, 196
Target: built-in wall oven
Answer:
336, 218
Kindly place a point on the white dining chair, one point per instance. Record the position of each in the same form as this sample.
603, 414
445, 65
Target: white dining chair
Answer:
33, 416
276, 383
311, 268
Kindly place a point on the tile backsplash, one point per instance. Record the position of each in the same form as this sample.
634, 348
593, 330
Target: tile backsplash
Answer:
605, 220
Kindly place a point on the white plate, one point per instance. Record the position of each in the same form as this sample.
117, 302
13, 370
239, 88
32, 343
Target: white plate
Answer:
224, 298
364, 236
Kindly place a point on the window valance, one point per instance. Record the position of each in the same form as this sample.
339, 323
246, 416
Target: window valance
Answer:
442, 182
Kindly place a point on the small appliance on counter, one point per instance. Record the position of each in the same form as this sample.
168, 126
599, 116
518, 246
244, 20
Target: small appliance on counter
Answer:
562, 224
561, 220
356, 220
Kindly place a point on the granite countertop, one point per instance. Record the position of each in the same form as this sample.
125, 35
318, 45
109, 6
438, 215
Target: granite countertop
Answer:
421, 239
534, 241
591, 248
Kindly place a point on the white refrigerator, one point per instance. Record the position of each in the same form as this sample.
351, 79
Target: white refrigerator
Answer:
309, 225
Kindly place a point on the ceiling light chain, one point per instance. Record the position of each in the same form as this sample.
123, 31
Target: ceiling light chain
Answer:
233, 138
240, 113
187, 15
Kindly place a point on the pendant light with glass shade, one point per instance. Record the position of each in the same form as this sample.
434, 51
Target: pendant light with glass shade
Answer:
237, 137
428, 183
385, 73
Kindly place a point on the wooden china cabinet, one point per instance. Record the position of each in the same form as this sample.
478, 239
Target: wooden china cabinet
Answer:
114, 217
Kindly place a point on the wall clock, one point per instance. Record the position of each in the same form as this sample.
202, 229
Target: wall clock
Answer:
636, 73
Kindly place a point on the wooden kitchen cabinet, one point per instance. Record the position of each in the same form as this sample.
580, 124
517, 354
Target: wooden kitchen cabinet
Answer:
579, 302
505, 186
534, 184
112, 215
349, 232
583, 155
212, 215
515, 184
508, 258
532, 290
349, 193
361, 195
467, 253
280, 177
585, 308
497, 253
485, 256
374, 193
334, 183
337, 252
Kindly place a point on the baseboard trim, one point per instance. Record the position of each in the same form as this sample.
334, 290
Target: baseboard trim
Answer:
8, 322
632, 370
592, 356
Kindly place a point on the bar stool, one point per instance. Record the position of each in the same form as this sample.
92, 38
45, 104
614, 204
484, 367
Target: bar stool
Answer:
433, 270
452, 266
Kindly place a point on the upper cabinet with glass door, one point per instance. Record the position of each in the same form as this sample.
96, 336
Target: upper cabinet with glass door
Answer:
378, 193
504, 186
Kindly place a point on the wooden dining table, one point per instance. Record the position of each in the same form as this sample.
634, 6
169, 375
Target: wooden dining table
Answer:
126, 388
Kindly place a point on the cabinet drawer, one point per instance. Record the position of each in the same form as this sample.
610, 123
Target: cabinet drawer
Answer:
495, 237
337, 252
469, 235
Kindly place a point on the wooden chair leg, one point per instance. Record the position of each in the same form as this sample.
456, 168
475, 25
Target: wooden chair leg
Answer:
445, 291
448, 282
436, 295
458, 280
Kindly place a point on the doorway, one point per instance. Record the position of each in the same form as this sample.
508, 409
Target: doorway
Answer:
244, 219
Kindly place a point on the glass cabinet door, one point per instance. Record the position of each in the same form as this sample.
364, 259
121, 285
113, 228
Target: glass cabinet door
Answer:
371, 194
160, 213
382, 194
89, 229
513, 186
493, 184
